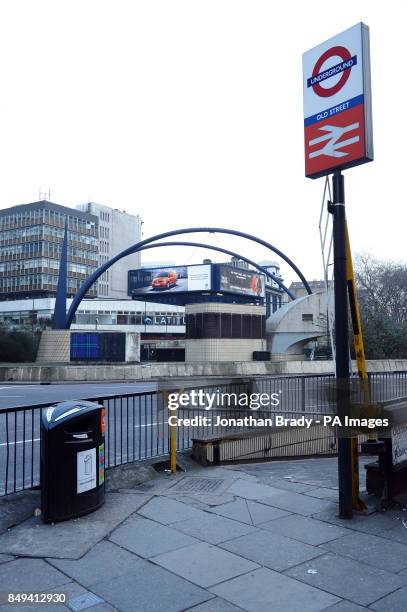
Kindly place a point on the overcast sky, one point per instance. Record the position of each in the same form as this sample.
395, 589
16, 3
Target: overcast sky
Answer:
190, 113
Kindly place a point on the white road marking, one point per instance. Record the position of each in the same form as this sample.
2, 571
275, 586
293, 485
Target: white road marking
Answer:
19, 442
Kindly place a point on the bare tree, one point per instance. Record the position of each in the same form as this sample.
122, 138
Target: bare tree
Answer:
382, 292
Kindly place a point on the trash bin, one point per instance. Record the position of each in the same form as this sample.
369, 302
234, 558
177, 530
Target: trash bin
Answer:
72, 460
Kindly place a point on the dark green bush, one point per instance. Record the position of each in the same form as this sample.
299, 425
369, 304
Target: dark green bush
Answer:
17, 346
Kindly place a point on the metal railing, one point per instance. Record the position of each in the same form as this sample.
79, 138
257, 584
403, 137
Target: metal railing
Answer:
137, 423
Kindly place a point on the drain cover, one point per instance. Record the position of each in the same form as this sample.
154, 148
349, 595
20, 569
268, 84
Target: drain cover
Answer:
198, 485
84, 601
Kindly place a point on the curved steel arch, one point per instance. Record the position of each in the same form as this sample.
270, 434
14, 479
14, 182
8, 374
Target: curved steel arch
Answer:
190, 230
204, 246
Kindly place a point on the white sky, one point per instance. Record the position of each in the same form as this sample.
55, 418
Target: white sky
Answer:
190, 113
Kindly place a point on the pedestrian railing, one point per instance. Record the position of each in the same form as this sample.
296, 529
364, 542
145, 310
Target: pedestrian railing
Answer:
137, 423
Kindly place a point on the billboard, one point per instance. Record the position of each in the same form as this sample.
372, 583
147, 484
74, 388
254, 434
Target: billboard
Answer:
177, 279
240, 281
337, 103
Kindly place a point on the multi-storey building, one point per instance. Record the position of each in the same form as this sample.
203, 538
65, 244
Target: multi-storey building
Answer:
31, 237
117, 231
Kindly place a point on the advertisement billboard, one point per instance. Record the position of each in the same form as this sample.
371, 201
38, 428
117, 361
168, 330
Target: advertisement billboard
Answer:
337, 103
177, 279
240, 281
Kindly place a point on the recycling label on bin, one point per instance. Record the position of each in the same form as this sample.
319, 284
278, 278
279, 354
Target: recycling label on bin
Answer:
101, 464
86, 470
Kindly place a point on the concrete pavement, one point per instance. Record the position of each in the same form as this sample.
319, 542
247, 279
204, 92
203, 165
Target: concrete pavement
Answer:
256, 537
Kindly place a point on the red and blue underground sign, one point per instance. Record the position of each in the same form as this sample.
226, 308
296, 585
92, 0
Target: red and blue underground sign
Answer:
335, 136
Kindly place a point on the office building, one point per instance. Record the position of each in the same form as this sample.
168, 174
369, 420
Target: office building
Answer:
117, 231
161, 326
31, 237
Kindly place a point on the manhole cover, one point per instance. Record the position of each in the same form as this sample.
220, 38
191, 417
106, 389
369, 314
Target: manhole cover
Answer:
198, 485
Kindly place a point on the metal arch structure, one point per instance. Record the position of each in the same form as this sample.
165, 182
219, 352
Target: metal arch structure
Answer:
203, 245
191, 230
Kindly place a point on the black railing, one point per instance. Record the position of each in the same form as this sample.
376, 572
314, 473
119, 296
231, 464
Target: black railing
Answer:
137, 423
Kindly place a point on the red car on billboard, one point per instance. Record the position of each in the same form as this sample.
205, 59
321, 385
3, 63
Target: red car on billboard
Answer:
164, 279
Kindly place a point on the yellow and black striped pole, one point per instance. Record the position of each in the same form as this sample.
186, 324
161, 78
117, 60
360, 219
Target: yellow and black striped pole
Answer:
357, 503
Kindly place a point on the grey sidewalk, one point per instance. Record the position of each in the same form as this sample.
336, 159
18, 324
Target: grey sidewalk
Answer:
258, 537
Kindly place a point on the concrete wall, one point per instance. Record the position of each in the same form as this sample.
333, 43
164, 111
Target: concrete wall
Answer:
89, 372
55, 346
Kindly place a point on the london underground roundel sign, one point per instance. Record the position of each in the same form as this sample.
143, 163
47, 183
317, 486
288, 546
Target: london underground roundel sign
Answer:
337, 103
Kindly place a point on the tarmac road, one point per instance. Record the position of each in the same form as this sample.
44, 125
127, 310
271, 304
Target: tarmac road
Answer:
12, 395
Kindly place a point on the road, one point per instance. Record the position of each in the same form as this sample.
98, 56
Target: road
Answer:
12, 395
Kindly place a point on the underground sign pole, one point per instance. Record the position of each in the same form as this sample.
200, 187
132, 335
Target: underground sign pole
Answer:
337, 208
338, 135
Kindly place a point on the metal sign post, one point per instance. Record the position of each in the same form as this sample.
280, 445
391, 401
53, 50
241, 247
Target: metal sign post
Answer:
341, 342
338, 135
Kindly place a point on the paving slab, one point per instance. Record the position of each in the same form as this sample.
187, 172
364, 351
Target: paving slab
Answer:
70, 539
79, 598
98, 608
249, 512
204, 564
226, 472
298, 503
105, 559
166, 510
11, 607
305, 529
17, 508
318, 472
324, 493
213, 528
150, 588
215, 605
147, 538
346, 606
286, 484
357, 582
213, 500
30, 575
272, 550
251, 490
395, 602
371, 549
398, 533
264, 589
373, 523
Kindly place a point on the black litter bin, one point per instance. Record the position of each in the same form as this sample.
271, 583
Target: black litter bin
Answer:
72, 460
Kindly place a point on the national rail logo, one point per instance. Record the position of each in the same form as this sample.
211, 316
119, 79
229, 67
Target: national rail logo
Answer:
337, 103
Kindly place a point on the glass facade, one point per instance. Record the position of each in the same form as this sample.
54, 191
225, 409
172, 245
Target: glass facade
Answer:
145, 319
31, 237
